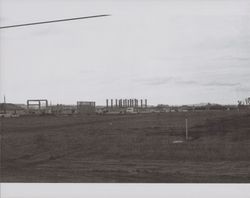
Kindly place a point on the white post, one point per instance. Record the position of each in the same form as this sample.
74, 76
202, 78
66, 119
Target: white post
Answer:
4, 104
186, 121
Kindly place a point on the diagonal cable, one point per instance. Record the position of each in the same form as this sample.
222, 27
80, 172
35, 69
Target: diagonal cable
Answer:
53, 21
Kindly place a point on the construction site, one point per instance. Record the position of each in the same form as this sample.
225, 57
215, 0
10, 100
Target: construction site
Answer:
113, 106
127, 140
127, 79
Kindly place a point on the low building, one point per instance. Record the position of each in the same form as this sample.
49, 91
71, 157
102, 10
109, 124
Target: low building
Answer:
86, 107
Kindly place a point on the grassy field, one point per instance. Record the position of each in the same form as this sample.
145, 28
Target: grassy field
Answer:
127, 148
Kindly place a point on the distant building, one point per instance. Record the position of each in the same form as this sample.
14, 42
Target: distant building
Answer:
130, 110
86, 107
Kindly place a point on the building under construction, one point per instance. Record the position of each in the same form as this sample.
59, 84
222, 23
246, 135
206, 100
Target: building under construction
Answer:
122, 105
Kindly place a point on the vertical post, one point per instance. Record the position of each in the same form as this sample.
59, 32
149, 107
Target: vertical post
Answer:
146, 103
141, 103
186, 123
4, 104
47, 104
116, 103
107, 103
111, 103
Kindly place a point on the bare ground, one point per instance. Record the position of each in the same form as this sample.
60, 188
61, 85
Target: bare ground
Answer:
127, 148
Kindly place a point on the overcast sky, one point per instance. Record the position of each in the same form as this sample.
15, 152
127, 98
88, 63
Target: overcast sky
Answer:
170, 52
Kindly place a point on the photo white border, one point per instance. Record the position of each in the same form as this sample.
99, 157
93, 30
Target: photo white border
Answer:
111, 190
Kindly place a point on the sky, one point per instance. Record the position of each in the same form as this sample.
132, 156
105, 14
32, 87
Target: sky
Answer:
166, 51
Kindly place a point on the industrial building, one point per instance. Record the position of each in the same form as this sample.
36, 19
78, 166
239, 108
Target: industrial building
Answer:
126, 105
37, 106
86, 107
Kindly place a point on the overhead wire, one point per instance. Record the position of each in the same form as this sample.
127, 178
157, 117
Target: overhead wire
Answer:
52, 21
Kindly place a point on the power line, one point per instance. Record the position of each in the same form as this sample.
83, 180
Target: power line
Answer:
52, 21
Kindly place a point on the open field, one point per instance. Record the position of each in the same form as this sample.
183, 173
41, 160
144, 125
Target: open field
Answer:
126, 148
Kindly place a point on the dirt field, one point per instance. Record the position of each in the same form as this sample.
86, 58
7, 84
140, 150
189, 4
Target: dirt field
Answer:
127, 148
